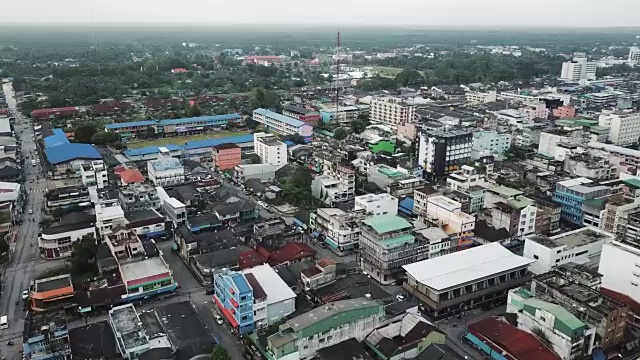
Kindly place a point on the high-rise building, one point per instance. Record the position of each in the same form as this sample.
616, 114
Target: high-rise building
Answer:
624, 126
443, 152
579, 69
271, 150
634, 55
391, 111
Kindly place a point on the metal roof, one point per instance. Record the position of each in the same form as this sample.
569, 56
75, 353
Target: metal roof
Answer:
151, 150
207, 119
240, 282
58, 138
166, 164
190, 145
130, 124
70, 151
570, 321
272, 284
466, 266
387, 223
279, 117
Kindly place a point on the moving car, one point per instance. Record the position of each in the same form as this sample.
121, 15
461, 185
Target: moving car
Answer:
25, 294
30, 211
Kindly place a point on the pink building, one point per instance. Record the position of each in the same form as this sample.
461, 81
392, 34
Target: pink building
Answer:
226, 156
565, 112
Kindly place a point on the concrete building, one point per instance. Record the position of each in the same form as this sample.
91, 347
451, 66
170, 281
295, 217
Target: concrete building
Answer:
51, 293
108, 218
377, 204
441, 153
226, 156
338, 187
579, 70
57, 241
564, 112
535, 111
261, 172
323, 274
279, 300
572, 194
131, 337
309, 116
147, 277
448, 284
45, 336
68, 196
94, 174
386, 244
513, 118
165, 171
391, 111
384, 175
234, 298
271, 150
481, 97
281, 124
569, 337
518, 216
589, 166
492, 141
581, 246
464, 178
448, 213
339, 229
139, 197
547, 215
634, 55
302, 336
619, 265
624, 126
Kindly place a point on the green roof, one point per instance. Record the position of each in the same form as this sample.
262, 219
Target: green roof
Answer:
388, 171
383, 145
387, 223
398, 241
632, 182
565, 322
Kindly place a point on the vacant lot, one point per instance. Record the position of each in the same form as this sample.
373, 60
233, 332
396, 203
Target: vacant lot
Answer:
180, 140
388, 71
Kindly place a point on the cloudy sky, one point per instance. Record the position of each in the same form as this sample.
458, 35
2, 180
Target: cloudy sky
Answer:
357, 12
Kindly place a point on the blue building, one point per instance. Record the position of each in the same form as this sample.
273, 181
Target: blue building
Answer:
46, 337
234, 298
572, 194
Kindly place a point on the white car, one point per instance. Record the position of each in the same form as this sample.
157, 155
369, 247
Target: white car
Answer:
219, 320
399, 297
260, 203
30, 211
25, 294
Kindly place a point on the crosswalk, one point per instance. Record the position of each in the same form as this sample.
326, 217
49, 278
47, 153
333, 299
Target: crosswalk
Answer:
33, 191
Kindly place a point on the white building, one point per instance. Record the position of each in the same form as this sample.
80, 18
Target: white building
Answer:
464, 178
391, 111
271, 150
620, 267
634, 55
165, 171
624, 127
278, 300
94, 174
582, 246
443, 152
492, 141
281, 124
341, 229
555, 145
480, 97
514, 118
57, 241
578, 70
459, 225
335, 188
108, 217
377, 204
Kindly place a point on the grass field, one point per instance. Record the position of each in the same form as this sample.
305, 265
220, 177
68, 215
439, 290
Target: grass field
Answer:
180, 140
388, 71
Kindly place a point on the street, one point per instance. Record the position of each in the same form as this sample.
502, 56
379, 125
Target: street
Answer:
24, 263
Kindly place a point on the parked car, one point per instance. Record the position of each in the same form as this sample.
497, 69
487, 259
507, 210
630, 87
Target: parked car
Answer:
25, 294
219, 319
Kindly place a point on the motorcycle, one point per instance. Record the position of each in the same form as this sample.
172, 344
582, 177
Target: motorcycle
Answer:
10, 343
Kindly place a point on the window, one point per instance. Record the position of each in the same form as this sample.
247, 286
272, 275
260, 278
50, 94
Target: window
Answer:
536, 257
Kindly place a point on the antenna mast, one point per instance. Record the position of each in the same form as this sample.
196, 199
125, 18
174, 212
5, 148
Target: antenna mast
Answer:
336, 62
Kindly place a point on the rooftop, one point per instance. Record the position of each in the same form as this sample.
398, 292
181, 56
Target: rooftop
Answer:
463, 267
573, 239
127, 325
53, 283
273, 285
71, 151
143, 269
387, 223
166, 164
94, 341
329, 311
561, 314
279, 117
505, 191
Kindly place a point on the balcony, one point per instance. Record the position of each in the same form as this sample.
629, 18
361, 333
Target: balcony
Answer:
466, 297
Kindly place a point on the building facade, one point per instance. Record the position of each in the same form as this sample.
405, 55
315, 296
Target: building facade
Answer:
271, 150
234, 299
441, 153
377, 204
391, 111
166, 171
226, 156
281, 124
624, 127
492, 141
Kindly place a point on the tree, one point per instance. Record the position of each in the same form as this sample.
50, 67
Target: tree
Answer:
57, 99
340, 133
220, 353
105, 138
409, 77
261, 98
253, 158
358, 126
84, 133
150, 132
83, 255
193, 111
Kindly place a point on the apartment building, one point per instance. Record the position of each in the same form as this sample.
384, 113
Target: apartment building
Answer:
94, 174
464, 178
391, 111
109, 218
226, 156
309, 116
138, 196
624, 126
335, 188
339, 229
572, 194
481, 97
166, 171
271, 150
386, 244
589, 166
535, 111
377, 204
445, 212
578, 70
581, 246
443, 152
492, 141
517, 215
281, 124
620, 267
463, 280
234, 298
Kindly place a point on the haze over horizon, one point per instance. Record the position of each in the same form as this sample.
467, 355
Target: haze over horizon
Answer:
463, 13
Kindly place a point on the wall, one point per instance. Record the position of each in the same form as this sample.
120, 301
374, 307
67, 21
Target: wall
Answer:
620, 266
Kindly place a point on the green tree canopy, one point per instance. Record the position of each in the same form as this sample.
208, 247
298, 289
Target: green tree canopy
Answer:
84, 133
409, 77
220, 353
340, 133
83, 255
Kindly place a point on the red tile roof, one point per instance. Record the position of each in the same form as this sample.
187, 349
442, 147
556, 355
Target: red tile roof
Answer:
250, 258
623, 298
518, 344
45, 113
131, 176
290, 252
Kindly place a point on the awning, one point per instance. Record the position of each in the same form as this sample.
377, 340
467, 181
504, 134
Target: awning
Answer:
84, 309
315, 234
330, 243
227, 314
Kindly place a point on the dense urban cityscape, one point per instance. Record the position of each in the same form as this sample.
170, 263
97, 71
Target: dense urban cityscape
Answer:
327, 194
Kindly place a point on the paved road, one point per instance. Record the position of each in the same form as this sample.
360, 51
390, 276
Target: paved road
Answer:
25, 263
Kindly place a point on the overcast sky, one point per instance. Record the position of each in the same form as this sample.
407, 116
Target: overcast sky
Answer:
357, 12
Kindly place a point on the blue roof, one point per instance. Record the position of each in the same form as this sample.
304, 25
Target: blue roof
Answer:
129, 124
70, 151
197, 144
241, 283
407, 203
285, 119
183, 121
213, 118
151, 150
58, 138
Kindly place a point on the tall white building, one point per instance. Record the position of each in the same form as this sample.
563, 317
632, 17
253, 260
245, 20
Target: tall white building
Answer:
579, 69
491, 140
271, 150
634, 55
620, 268
624, 126
391, 111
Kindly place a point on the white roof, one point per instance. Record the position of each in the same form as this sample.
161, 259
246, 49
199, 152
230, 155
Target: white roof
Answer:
272, 284
143, 269
5, 125
575, 182
465, 266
